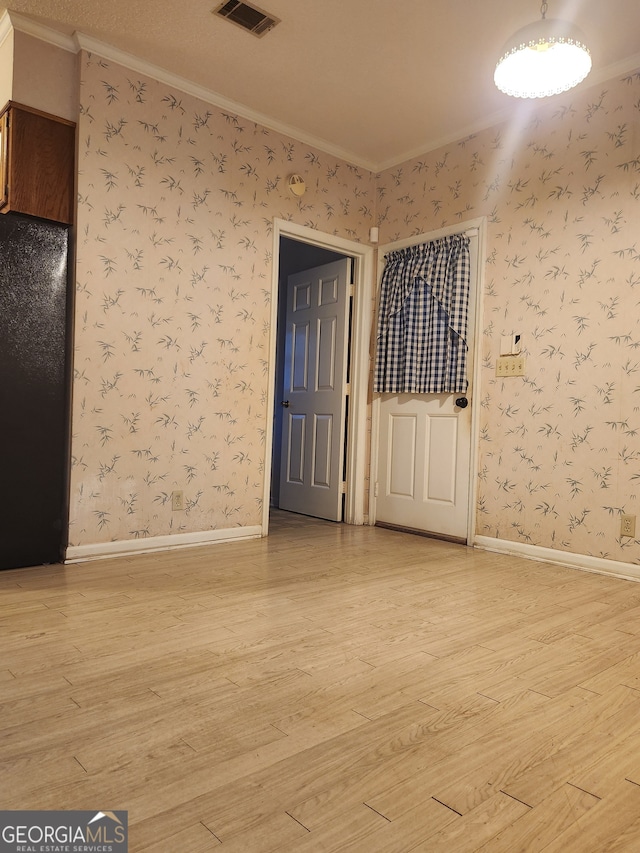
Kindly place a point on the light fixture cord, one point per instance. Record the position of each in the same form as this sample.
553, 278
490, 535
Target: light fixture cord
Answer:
543, 9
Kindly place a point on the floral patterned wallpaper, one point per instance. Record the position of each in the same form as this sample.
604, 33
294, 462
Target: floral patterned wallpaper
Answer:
176, 203
172, 316
560, 187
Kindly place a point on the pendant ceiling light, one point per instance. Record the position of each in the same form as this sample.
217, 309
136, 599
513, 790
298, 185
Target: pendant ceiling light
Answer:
542, 59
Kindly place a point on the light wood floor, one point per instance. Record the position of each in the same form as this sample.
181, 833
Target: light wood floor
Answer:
330, 688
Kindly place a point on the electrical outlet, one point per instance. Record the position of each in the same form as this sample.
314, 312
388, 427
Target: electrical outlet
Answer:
177, 500
510, 365
628, 525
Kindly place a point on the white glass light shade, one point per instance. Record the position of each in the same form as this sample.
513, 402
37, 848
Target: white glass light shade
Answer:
542, 59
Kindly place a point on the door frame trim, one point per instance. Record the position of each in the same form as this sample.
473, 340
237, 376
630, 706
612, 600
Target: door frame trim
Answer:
363, 280
479, 224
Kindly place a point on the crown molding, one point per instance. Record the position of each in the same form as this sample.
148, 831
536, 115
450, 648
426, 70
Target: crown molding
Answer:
456, 136
39, 31
596, 78
135, 63
5, 26
79, 41
616, 69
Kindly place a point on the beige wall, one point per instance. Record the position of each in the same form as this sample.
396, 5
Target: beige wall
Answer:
172, 323
176, 201
45, 77
559, 451
6, 68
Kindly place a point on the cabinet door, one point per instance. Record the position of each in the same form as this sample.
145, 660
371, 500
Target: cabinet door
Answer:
39, 163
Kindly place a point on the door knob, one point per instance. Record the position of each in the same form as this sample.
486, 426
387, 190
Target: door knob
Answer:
285, 403
462, 402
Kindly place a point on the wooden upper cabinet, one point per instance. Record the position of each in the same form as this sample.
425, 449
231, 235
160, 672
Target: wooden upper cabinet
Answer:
37, 163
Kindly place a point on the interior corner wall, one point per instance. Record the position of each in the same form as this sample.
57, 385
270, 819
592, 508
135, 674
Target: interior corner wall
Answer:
45, 76
172, 309
558, 449
6, 65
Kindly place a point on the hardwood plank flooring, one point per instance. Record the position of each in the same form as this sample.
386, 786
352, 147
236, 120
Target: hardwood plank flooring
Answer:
329, 688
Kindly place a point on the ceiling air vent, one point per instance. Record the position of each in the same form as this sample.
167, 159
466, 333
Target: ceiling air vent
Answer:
250, 18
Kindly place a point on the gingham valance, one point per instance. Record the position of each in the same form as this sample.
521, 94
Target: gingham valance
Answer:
422, 319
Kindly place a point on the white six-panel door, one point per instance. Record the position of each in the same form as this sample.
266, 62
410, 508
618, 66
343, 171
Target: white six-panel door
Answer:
313, 424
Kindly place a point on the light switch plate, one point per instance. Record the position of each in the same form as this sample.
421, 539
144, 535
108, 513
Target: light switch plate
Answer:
510, 365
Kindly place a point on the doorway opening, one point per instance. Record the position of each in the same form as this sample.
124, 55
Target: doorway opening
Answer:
296, 260
296, 249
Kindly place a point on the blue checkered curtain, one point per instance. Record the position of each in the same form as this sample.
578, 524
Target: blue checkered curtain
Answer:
422, 319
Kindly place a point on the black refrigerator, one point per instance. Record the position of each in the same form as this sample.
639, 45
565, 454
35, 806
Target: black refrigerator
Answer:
34, 390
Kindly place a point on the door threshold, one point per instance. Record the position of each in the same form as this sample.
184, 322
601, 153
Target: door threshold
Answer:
429, 534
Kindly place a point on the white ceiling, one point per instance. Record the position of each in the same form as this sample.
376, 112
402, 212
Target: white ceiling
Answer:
374, 81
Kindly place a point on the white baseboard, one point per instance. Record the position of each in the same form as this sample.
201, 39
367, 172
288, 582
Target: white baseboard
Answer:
129, 547
599, 565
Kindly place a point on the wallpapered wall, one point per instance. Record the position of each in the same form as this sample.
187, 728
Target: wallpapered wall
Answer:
176, 201
174, 263
560, 448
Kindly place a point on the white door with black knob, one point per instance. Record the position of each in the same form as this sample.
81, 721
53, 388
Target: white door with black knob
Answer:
423, 453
